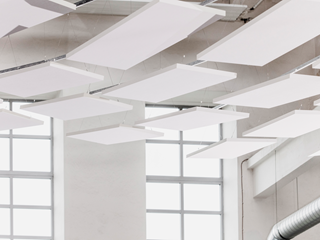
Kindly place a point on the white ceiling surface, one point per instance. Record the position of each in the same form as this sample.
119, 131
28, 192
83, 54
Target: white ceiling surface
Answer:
232, 148
114, 134
12, 120
19, 13
125, 8
153, 28
191, 118
290, 125
268, 36
44, 78
315, 154
77, 106
273, 93
170, 82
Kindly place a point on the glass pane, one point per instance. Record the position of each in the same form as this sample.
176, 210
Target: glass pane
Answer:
31, 192
5, 191
31, 155
151, 112
5, 105
163, 196
4, 221
4, 154
162, 159
204, 227
43, 130
199, 167
205, 134
163, 226
202, 197
32, 222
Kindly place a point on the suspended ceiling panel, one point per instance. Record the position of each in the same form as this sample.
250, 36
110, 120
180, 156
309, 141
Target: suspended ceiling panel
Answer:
151, 29
290, 125
12, 120
191, 118
114, 134
268, 36
44, 78
125, 8
169, 82
273, 93
77, 106
16, 15
232, 148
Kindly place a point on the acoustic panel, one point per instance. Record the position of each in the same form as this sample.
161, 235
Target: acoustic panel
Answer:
44, 78
169, 82
77, 106
16, 15
12, 120
290, 125
273, 93
191, 118
114, 134
268, 36
151, 29
232, 148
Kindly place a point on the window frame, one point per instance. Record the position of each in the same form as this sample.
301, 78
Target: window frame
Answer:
11, 174
181, 180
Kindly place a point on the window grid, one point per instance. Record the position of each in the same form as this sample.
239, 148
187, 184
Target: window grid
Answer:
187, 180
11, 174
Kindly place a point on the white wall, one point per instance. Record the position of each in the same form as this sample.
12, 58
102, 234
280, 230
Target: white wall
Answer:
104, 186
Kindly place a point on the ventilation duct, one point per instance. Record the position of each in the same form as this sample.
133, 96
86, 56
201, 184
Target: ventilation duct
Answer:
297, 223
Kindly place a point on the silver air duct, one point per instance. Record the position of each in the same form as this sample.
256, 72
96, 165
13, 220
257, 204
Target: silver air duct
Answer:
297, 223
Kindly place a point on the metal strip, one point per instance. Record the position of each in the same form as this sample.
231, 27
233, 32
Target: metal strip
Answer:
18, 174
25, 207
184, 212
189, 180
178, 142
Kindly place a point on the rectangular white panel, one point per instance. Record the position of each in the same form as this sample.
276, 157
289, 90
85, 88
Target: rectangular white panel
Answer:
114, 134
273, 93
290, 125
232, 148
169, 82
16, 15
153, 28
268, 36
12, 120
191, 118
77, 106
316, 64
44, 78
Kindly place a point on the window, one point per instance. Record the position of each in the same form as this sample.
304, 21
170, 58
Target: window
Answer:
26, 179
184, 196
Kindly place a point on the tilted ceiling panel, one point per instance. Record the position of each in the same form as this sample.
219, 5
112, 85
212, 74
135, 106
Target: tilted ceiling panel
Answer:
12, 120
170, 82
44, 78
268, 36
77, 106
290, 125
149, 30
191, 118
114, 134
273, 93
232, 148
16, 15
